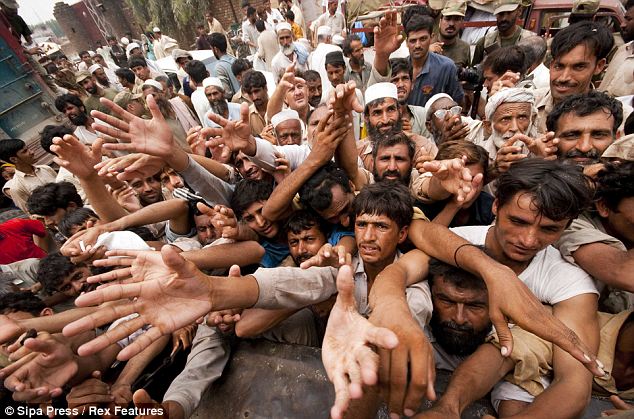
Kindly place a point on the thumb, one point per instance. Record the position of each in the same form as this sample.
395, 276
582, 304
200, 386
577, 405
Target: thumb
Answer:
173, 259
96, 148
141, 397
504, 335
345, 286
234, 271
619, 403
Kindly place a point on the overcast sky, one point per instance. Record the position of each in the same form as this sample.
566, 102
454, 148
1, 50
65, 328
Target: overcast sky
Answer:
38, 11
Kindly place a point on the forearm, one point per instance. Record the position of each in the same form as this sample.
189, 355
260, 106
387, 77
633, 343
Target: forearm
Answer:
576, 393
282, 197
56, 322
224, 255
154, 213
256, 321
439, 242
215, 168
106, 207
389, 285
135, 366
474, 378
346, 157
276, 101
446, 215
381, 64
593, 258
435, 190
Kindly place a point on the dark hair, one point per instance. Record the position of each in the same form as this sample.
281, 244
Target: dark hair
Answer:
253, 79
21, 301
391, 199
303, 220
111, 38
419, 22
475, 154
506, 59
596, 37
260, 25
311, 75
201, 25
126, 74
240, 65
218, 40
414, 10
83, 53
48, 198
534, 50
584, 104
454, 275
316, 192
74, 218
136, 62
290, 15
61, 101
614, 183
250, 11
628, 125
98, 55
166, 79
399, 65
346, 47
389, 140
559, 191
630, 3
196, 71
247, 192
52, 270
10, 147
51, 131
51, 68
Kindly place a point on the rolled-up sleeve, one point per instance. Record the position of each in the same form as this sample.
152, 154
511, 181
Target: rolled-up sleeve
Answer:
294, 287
213, 189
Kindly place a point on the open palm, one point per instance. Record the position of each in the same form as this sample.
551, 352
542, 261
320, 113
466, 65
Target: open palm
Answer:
169, 293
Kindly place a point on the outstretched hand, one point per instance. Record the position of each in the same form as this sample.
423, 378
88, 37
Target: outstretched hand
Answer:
453, 176
329, 255
387, 38
347, 358
344, 99
236, 135
168, 291
75, 156
40, 376
223, 219
137, 135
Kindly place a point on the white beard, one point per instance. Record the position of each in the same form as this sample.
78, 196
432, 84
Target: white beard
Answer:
499, 139
288, 50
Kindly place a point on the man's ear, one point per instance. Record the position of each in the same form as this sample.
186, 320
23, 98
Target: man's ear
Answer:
602, 209
46, 312
13, 160
600, 66
487, 127
402, 235
494, 208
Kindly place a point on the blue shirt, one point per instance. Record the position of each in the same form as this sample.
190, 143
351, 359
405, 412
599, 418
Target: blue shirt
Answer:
274, 253
439, 75
224, 73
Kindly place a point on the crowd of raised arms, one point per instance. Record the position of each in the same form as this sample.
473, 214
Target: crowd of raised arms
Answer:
379, 210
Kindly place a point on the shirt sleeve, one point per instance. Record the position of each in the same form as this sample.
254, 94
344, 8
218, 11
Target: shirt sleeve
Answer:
294, 287
213, 189
34, 227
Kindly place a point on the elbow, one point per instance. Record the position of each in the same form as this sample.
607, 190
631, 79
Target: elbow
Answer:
244, 330
258, 253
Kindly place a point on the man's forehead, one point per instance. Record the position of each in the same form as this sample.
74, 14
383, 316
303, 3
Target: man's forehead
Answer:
374, 218
579, 54
382, 104
457, 294
596, 121
312, 231
393, 149
443, 103
291, 124
202, 220
512, 108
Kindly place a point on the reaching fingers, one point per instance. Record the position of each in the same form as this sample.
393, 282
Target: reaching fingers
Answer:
342, 395
104, 315
116, 275
398, 381
140, 343
123, 330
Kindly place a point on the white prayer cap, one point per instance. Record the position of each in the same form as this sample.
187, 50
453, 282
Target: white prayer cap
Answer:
379, 91
285, 115
283, 26
508, 95
125, 41
432, 100
153, 83
213, 81
337, 40
93, 68
156, 29
324, 30
130, 47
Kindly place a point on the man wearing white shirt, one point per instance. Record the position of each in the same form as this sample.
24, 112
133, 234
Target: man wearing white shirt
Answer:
289, 52
215, 93
197, 74
332, 18
250, 33
317, 59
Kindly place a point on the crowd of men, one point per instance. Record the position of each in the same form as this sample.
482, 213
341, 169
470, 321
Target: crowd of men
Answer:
387, 212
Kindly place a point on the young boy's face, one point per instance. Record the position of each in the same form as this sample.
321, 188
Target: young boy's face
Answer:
25, 156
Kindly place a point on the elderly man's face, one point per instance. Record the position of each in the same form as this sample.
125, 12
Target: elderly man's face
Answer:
285, 38
572, 72
583, 139
289, 132
435, 125
511, 118
207, 233
213, 93
297, 97
384, 116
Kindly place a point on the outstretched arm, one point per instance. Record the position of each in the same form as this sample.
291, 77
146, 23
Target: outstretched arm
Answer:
508, 296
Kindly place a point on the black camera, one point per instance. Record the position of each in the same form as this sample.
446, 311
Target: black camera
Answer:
472, 77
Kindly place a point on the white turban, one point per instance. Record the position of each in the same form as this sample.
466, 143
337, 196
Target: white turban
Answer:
130, 47
512, 95
432, 100
283, 26
213, 81
94, 68
151, 82
380, 91
285, 115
